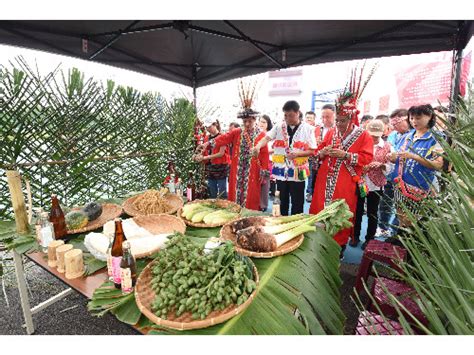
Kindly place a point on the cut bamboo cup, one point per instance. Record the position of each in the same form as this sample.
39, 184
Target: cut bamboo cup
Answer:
74, 264
52, 260
60, 251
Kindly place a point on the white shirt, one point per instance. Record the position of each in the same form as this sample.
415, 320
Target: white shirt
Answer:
303, 139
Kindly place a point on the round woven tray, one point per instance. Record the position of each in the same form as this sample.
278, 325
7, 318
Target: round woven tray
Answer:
110, 211
159, 224
174, 201
144, 296
227, 234
221, 203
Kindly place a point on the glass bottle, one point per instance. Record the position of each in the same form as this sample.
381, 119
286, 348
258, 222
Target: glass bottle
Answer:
47, 232
38, 223
128, 269
117, 252
179, 189
191, 188
171, 185
56, 217
276, 205
110, 269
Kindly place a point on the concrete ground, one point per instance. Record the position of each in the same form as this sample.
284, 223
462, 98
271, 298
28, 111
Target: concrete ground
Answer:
72, 317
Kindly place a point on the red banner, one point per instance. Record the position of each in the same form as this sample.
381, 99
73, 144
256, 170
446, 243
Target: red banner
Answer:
366, 107
429, 82
383, 104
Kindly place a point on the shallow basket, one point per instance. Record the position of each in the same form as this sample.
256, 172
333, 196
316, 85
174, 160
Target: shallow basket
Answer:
159, 224
227, 234
234, 207
110, 211
145, 295
174, 201
155, 224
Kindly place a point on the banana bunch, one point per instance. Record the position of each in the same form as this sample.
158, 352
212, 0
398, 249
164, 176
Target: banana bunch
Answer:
207, 213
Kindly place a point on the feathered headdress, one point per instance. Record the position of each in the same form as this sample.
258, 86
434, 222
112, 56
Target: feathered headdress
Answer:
247, 96
346, 102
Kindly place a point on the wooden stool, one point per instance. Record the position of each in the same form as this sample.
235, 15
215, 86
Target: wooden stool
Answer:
382, 252
370, 323
405, 294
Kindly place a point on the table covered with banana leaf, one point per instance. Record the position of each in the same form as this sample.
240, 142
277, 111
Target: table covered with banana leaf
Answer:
202, 282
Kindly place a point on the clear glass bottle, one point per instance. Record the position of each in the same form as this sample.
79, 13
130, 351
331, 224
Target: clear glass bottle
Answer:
171, 185
179, 189
47, 232
128, 269
276, 205
190, 188
38, 222
110, 269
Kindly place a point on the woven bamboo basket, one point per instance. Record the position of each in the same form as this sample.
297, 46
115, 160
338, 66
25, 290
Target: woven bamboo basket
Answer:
175, 202
110, 211
227, 234
144, 296
234, 207
159, 224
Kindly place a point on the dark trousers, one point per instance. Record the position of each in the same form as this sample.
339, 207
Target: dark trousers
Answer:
373, 199
293, 190
387, 208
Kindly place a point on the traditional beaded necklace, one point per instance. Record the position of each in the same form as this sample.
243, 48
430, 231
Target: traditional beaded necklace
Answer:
337, 139
247, 141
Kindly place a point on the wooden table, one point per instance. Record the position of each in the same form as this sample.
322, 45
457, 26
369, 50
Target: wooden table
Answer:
84, 285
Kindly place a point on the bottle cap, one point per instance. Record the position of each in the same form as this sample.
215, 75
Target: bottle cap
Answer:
118, 219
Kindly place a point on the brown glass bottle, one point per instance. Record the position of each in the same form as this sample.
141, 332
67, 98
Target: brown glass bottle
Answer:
128, 269
56, 217
117, 252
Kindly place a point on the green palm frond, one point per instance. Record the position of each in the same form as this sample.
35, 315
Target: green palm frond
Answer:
441, 246
298, 294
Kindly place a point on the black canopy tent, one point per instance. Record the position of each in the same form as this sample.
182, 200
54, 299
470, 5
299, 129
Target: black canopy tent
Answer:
198, 53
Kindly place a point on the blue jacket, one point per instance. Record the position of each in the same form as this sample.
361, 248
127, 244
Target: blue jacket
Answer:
414, 173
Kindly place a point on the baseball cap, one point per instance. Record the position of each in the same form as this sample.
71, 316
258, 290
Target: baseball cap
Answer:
375, 128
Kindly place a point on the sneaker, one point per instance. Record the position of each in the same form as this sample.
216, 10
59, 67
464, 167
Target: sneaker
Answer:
309, 197
382, 233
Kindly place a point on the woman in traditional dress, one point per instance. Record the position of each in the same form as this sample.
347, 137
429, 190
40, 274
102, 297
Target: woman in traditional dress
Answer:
246, 171
416, 163
216, 162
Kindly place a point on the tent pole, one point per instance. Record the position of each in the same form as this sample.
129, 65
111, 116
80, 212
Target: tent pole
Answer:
194, 82
456, 83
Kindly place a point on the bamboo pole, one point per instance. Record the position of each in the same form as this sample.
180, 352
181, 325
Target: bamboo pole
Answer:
69, 161
18, 202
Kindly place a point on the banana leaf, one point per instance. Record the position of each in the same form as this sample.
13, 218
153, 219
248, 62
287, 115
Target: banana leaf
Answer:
298, 294
13, 241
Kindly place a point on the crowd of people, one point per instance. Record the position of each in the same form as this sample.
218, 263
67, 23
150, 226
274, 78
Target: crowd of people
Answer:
375, 164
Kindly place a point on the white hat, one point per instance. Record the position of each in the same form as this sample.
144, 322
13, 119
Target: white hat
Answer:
209, 121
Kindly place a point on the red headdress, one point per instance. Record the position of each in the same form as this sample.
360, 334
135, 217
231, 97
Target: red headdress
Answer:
346, 102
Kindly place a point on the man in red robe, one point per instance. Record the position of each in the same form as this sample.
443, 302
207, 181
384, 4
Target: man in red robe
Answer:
343, 153
246, 172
